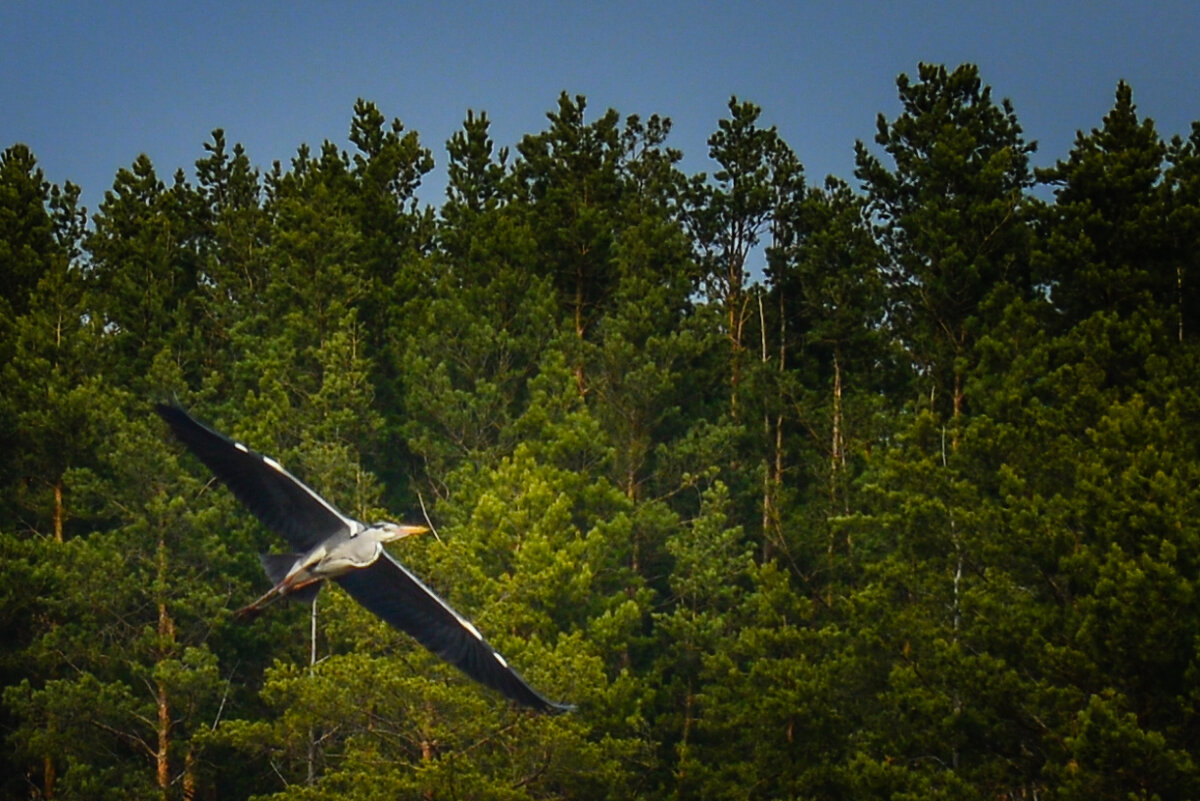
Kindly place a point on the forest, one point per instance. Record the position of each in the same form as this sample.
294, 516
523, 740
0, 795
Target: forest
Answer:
912, 511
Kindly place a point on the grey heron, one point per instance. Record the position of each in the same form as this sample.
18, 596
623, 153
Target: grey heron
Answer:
331, 545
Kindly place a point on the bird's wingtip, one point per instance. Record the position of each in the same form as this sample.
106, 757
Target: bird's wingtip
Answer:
548, 707
164, 401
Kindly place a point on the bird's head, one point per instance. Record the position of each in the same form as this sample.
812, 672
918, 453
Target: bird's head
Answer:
390, 532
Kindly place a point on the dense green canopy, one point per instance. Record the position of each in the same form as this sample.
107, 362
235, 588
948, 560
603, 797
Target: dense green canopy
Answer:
911, 512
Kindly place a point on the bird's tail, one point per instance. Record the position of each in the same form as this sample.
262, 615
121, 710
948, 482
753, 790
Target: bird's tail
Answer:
277, 565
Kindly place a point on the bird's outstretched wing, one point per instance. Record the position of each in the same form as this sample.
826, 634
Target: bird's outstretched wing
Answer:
276, 497
400, 598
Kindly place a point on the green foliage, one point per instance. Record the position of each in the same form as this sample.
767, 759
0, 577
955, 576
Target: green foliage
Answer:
1107, 247
911, 515
951, 218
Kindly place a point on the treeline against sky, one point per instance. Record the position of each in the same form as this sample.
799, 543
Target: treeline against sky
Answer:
913, 513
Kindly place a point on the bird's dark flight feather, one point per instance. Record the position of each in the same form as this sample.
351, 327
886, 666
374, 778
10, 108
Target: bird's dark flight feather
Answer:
389, 590
276, 497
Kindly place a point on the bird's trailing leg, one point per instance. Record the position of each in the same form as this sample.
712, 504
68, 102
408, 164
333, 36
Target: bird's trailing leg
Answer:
289, 572
303, 590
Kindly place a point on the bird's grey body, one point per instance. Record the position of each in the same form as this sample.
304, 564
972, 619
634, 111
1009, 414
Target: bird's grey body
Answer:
352, 547
331, 546
341, 553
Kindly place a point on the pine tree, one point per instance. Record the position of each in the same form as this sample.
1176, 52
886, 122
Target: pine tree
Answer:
48, 347
826, 283
234, 245
1105, 248
26, 229
728, 219
951, 219
569, 180
643, 353
468, 339
144, 264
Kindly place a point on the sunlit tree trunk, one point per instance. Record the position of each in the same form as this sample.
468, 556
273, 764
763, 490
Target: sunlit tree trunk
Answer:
837, 445
166, 638
59, 512
162, 752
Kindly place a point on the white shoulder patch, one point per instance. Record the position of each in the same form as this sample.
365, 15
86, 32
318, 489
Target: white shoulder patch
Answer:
467, 625
273, 463
241, 447
499, 659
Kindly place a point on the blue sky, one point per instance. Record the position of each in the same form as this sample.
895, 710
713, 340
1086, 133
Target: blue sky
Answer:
89, 85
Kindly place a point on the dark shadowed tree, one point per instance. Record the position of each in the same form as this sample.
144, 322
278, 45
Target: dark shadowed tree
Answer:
950, 216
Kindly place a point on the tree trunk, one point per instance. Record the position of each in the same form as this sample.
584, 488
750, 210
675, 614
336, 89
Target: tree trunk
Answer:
681, 774
48, 777
189, 774
773, 459
59, 512
768, 499
735, 301
166, 641
580, 323
959, 402
837, 447
1179, 299
162, 753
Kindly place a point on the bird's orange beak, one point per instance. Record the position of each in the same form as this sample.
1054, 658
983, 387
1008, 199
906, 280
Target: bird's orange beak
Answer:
409, 531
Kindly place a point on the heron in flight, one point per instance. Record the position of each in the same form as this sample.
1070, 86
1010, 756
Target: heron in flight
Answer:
331, 545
